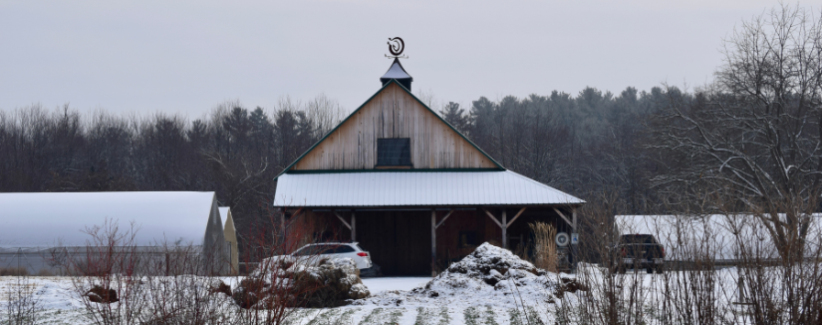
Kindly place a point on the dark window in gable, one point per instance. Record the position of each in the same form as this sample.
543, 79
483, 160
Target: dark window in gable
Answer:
394, 152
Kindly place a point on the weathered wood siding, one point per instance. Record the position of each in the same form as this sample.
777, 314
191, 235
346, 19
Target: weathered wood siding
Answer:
393, 113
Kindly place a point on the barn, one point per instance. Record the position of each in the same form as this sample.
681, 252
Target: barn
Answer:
37, 227
411, 189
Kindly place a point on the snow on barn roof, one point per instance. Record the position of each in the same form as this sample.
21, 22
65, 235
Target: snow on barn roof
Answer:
414, 188
43, 219
687, 236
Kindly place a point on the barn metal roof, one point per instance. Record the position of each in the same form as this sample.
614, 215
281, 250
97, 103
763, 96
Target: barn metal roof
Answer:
415, 188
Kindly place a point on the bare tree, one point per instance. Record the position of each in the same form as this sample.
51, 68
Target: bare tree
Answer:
756, 135
326, 113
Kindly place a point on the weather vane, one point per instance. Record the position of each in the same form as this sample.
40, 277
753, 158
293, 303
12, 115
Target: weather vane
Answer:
396, 45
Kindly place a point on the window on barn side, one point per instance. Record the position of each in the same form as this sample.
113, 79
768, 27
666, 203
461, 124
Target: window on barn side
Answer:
467, 239
394, 152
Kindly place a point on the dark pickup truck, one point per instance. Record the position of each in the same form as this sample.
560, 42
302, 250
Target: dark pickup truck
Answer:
639, 251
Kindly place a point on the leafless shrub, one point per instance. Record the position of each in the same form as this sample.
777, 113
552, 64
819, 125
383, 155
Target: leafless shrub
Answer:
122, 283
109, 263
182, 295
722, 267
22, 305
773, 287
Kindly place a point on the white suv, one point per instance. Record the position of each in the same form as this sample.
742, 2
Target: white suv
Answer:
312, 253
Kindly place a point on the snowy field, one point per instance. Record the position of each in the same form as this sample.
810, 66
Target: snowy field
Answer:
389, 304
489, 286
61, 305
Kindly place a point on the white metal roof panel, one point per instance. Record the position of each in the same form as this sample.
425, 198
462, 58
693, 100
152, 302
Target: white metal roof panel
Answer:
415, 188
44, 219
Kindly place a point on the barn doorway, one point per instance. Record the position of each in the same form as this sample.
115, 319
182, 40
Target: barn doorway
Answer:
399, 241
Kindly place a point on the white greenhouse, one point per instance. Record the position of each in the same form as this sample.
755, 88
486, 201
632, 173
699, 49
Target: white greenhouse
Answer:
725, 239
167, 232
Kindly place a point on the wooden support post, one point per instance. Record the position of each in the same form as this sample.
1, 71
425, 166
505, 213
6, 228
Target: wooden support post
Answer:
433, 243
282, 227
282, 220
504, 229
353, 226
575, 248
492, 217
504, 224
296, 215
574, 218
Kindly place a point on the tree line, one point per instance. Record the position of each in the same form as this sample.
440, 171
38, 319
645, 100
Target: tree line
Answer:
577, 143
753, 136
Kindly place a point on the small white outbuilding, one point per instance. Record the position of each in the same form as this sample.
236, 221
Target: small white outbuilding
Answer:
32, 225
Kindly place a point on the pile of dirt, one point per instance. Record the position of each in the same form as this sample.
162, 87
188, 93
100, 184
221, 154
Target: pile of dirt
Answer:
332, 283
102, 295
489, 275
218, 286
571, 286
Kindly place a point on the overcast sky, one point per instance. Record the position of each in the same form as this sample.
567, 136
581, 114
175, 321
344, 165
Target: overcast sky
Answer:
189, 56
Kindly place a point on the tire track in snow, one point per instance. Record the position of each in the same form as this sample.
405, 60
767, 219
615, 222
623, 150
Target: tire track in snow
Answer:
432, 316
475, 316
326, 318
382, 316
531, 316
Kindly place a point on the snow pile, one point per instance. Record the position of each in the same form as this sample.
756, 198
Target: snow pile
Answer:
332, 283
490, 275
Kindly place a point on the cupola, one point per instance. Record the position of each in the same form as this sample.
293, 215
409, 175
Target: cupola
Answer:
397, 72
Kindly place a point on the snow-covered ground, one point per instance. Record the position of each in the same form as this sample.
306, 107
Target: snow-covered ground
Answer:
490, 286
380, 285
61, 305
392, 302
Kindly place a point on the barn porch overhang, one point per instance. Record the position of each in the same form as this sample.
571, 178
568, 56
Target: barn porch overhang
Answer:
441, 193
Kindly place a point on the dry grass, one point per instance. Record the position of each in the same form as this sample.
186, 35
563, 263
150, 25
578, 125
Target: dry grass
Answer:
545, 250
13, 271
